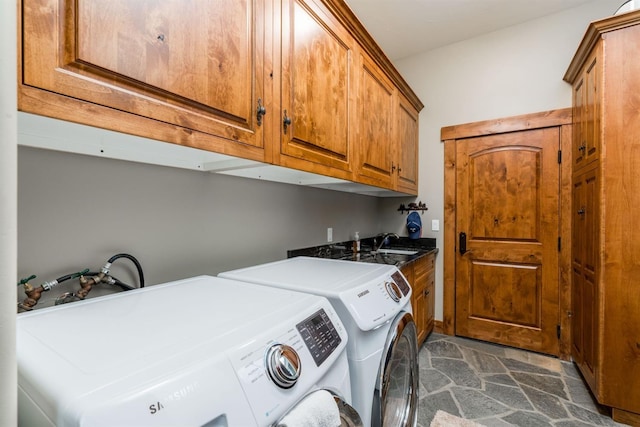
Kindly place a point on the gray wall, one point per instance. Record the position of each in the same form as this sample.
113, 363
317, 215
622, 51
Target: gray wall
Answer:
76, 211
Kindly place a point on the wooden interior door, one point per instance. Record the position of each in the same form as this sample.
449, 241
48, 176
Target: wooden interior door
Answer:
508, 208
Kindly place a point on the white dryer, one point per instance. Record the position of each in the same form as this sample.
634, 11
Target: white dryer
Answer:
203, 351
373, 302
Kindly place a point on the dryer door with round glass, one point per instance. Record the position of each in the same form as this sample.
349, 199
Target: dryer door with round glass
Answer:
396, 395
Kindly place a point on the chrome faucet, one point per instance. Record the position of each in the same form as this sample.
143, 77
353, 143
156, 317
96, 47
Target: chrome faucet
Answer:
384, 238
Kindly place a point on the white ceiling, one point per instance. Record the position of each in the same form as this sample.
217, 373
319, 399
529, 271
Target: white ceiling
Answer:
405, 27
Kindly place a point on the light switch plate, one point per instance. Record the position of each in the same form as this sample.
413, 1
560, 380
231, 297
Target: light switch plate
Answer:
435, 225
329, 235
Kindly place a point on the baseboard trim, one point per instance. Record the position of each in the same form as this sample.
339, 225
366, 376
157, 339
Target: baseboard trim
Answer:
626, 417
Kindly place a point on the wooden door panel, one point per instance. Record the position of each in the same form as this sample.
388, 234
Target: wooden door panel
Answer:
183, 48
577, 329
577, 262
503, 198
505, 293
592, 116
317, 74
591, 207
430, 302
508, 204
585, 253
198, 65
579, 123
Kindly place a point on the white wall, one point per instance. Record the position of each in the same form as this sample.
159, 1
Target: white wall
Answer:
514, 71
8, 202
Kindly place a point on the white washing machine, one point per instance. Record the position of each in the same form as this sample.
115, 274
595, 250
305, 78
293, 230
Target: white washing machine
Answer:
203, 351
373, 302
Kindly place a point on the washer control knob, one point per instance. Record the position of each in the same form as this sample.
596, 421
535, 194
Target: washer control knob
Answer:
283, 365
393, 290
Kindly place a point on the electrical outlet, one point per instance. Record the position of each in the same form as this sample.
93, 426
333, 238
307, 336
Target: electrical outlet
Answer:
435, 225
329, 234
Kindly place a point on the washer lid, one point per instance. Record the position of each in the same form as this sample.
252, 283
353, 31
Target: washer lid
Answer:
152, 356
137, 328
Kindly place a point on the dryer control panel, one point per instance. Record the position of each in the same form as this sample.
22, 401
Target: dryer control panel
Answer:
320, 336
309, 350
377, 301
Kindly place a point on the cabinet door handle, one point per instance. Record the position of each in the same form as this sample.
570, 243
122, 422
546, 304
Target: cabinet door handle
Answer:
393, 167
261, 111
581, 211
286, 121
582, 148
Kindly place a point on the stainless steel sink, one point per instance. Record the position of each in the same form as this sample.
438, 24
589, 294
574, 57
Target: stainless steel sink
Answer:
396, 252
381, 257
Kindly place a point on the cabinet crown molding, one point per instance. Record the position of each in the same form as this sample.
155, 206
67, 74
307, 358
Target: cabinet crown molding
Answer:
595, 31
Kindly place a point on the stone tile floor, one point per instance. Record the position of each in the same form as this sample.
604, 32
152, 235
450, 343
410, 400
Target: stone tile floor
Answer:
500, 386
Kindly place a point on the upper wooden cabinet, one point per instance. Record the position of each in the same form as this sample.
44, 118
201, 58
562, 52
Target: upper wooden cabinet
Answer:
199, 66
387, 142
277, 81
605, 74
317, 88
376, 117
407, 146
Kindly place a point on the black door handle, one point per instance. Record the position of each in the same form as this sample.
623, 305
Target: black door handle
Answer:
462, 243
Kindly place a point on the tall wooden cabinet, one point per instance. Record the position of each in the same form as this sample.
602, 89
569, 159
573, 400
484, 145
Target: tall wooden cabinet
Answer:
605, 74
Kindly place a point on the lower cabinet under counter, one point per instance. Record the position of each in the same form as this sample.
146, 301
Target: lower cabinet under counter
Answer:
421, 275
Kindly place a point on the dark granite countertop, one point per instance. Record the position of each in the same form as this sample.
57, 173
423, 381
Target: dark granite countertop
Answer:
344, 250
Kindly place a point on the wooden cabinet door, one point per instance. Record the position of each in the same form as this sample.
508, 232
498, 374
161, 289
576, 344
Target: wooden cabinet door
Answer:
421, 277
578, 242
420, 315
592, 113
420, 309
376, 139
196, 65
585, 255
579, 123
507, 207
429, 293
318, 74
414, 275
586, 113
430, 303
407, 143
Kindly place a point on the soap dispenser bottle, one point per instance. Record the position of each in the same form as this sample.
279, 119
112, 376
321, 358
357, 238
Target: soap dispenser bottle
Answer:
356, 242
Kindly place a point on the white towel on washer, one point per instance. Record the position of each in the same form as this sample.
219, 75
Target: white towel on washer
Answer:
318, 409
